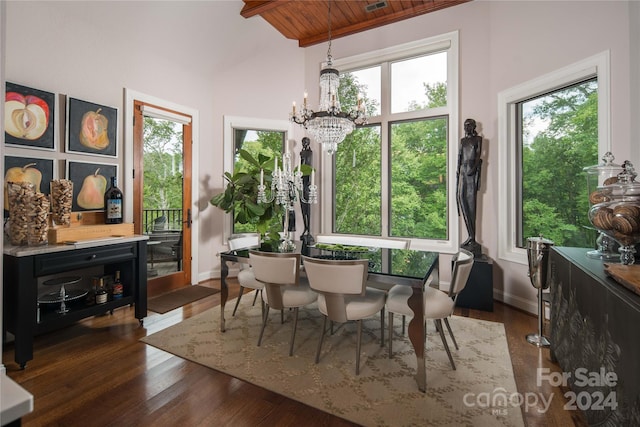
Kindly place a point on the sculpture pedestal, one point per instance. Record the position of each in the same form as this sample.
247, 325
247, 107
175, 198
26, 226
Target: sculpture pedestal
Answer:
478, 293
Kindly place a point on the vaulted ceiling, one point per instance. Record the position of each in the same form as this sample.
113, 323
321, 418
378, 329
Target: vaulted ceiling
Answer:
307, 20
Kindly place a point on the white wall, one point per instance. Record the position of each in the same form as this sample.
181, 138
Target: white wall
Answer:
204, 55
503, 44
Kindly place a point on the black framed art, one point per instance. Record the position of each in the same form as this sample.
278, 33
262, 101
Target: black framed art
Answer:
37, 171
29, 118
90, 181
91, 128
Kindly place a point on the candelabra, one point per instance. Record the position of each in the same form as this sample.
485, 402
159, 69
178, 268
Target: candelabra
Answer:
287, 188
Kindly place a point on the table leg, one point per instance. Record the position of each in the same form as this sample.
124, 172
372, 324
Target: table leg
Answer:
224, 290
417, 336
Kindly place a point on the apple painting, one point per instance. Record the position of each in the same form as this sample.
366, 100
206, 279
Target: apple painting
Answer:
26, 173
91, 195
25, 117
93, 130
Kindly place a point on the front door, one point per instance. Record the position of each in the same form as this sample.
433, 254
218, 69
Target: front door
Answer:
162, 194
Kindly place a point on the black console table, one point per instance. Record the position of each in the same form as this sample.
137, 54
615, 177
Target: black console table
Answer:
595, 339
27, 267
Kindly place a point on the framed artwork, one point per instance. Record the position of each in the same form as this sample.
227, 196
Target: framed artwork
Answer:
39, 172
29, 117
90, 181
91, 128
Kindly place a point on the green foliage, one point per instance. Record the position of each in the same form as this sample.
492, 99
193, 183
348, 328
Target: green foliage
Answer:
554, 186
418, 170
240, 196
162, 164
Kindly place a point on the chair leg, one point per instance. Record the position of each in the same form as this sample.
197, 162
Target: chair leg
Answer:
238, 301
382, 327
324, 327
255, 297
264, 323
358, 347
390, 338
404, 323
446, 322
293, 332
444, 342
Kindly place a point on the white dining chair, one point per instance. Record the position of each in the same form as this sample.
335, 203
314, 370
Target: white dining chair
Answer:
344, 295
283, 286
246, 277
438, 305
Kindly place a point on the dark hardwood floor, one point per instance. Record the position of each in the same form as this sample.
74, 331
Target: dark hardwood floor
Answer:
97, 373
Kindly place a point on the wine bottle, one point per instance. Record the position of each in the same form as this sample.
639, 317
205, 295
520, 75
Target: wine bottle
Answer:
117, 286
113, 204
101, 294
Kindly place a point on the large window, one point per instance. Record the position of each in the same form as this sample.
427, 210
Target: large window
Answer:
256, 142
558, 138
391, 177
550, 130
257, 136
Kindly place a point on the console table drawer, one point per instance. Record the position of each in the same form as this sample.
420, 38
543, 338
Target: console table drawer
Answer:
65, 261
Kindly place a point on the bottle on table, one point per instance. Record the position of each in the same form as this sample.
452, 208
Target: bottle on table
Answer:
113, 203
101, 294
118, 289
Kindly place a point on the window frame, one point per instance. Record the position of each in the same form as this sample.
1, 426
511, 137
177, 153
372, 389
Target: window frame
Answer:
444, 42
509, 168
231, 123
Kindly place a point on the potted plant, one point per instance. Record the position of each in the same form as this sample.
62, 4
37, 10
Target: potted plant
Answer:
240, 197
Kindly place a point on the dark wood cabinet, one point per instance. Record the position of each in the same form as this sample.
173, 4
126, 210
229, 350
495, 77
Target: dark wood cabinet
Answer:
595, 338
25, 268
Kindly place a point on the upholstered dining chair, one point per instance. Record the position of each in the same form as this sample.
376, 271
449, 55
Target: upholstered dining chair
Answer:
438, 305
246, 278
283, 287
344, 296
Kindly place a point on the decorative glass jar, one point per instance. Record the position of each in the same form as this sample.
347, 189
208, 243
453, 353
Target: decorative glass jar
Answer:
599, 175
617, 214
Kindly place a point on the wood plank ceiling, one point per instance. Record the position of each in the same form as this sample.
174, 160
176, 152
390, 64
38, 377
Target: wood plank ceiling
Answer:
307, 20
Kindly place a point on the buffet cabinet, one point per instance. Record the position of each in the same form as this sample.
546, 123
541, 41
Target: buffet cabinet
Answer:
27, 268
595, 338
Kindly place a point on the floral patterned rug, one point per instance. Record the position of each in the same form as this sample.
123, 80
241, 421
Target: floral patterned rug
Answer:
480, 392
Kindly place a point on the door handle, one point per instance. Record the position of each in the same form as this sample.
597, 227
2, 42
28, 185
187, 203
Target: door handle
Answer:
188, 221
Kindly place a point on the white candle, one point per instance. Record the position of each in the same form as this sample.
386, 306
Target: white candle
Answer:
275, 164
294, 108
305, 100
313, 176
261, 177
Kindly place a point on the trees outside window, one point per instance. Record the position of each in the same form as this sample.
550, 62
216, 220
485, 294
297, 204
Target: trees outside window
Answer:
391, 177
559, 138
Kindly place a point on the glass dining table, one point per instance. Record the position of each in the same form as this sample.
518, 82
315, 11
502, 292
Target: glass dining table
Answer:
387, 267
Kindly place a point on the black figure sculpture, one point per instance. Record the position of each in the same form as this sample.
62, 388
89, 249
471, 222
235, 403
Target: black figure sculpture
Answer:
306, 158
468, 182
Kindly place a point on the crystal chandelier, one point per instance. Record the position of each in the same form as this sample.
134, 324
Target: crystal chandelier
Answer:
330, 125
287, 188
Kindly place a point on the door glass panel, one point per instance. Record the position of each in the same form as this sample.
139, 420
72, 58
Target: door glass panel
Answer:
162, 202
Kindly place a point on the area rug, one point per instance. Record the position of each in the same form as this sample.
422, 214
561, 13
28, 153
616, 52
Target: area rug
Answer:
174, 299
479, 393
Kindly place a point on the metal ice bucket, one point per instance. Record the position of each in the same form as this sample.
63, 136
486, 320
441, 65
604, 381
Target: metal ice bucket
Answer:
538, 255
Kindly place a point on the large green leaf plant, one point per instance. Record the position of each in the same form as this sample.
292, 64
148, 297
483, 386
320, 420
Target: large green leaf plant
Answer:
240, 196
